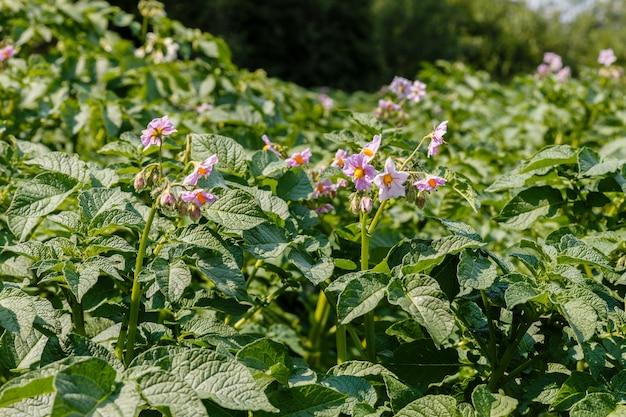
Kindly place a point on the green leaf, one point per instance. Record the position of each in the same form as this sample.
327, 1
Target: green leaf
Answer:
69, 165
597, 404
115, 243
552, 156
230, 154
361, 295
520, 292
582, 317
17, 311
109, 220
112, 118
573, 390
81, 281
163, 390
19, 351
212, 375
21, 226
224, 272
171, 277
82, 386
400, 394
235, 209
266, 164
39, 406
316, 272
262, 354
42, 195
98, 200
368, 121
529, 205
268, 202
463, 186
424, 256
429, 406
421, 296
488, 404
357, 389
475, 272
307, 400
265, 241
295, 185
69, 220
28, 385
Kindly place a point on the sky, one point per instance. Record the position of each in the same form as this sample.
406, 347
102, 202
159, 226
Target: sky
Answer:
568, 8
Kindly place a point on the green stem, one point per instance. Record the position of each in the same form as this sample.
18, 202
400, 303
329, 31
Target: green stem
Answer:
322, 310
493, 354
357, 342
342, 344
255, 269
509, 353
78, 315
135, 296
370, 332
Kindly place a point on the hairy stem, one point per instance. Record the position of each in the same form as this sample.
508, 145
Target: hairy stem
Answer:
135, 296
252, 311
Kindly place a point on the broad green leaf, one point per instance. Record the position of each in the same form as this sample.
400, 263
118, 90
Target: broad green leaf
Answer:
360, 368
400, 394
345, 136
80, 280
475, 272
171, 277
36, 406
17, 311
268, 202
583, 254
42, 195
262, 354
462, 186
595, 357
266, 164
213, 376
316, 272
357, 389
164, 390
21, 350
120, 148
307, 400
422, 298
368, 121
265, 241
35, 250
230, 154
424, 256
488, 404
200, 235
224, 272
235, 209
520, 292
82, 386
552, 156
598, 404
69, 220
112, 118
573, 390
295, 185
421, 363
582, 317
98, 200
361, 295
63, 163
529, 205
429, 406
22, 226
102, 244
109, 220
545, 389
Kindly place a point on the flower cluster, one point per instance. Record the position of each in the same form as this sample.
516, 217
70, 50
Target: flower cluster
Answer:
157, 49
326, 102
607, 58
190, 198
390, 182
553, 64
404, 90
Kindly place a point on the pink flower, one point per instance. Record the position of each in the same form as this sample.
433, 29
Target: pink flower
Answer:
299, 158
168, 199
400, 86
204, 107
543, 68
371, 148
607, 57
202, 169
360, 171
324, 208
562, 75
417, 91
269, 145
197, 197
340, 156
436, 139
430, 183
326, 101
553, 60
385, 107
390, 182
157, 129
6, 52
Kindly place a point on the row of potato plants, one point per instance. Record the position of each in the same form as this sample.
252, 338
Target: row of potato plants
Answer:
181, 237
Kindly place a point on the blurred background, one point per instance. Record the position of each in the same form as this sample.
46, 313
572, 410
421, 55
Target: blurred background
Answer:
361, 44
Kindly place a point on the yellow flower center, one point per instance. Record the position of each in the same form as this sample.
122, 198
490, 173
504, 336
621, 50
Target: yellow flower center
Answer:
202, 171
266, 147
359, 173
299, 159
201, 198
432, 182
368, 152
387, 179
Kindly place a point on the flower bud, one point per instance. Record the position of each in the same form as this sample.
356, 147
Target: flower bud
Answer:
168, 199
140, 181
420, 200
193, 211
366, 204
411, 195
355, 203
